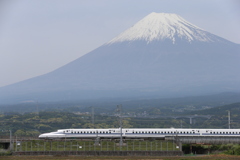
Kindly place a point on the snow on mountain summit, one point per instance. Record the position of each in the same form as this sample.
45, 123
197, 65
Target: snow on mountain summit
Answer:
162, 26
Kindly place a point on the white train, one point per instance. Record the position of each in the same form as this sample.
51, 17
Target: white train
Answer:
138, 133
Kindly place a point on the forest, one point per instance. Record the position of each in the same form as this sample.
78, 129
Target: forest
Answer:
33, 123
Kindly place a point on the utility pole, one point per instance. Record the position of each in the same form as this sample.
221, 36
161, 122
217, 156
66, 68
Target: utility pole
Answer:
229, 120
11, 147
93, 117
37, 107
119, 110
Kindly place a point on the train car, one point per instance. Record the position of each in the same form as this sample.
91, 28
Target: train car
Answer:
143, 133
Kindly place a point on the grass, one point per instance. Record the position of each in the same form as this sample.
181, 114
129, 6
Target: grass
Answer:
211, 157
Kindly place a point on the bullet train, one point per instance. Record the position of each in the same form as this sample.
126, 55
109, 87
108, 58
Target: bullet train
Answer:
143, 133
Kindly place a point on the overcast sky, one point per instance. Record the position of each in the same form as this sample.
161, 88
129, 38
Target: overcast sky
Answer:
38, 36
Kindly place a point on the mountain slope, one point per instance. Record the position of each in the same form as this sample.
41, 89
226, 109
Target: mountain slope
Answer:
162, 55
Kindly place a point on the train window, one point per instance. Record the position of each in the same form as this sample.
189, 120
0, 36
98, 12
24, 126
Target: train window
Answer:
226, 132
183, 132
107, 132
93, 131
100, 132
142, 132
156, 132
103, 132
220, 132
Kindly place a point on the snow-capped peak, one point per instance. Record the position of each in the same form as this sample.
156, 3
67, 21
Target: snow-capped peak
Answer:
161, 26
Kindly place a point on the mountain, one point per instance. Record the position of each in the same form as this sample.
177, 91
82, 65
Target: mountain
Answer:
162, 55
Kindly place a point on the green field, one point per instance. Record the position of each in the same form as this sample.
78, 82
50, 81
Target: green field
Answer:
211, 157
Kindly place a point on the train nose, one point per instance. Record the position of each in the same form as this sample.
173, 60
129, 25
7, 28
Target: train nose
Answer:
45, 135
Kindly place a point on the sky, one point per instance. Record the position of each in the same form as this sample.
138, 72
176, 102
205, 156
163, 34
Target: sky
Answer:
39, 36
